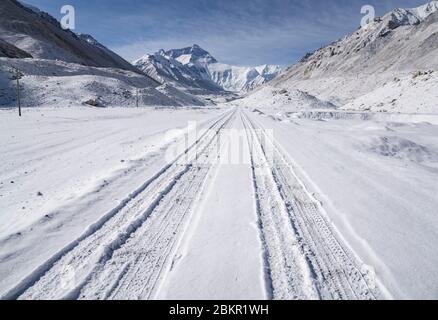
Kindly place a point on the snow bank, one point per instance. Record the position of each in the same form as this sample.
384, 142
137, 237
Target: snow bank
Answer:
282, 100
414, 93
363, 115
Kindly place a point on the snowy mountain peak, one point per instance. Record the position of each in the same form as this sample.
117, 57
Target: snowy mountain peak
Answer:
422, 12
194, 67
194, 54
409, 17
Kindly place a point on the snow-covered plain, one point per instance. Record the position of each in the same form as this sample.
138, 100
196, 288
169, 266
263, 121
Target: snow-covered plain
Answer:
74, 152
77, 190
62, 169
377, 179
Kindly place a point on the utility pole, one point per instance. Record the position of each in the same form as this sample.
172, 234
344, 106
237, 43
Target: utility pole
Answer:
18, 96
17, 75
136, 97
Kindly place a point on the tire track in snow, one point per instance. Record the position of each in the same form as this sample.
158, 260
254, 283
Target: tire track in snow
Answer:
97, 245
156, 239
287, 274
330, 271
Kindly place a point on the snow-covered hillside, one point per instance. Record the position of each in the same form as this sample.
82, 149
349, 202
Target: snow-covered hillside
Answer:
413, 93
196, 69
410, 17
282, 100
57, 83
399, 44
91, 197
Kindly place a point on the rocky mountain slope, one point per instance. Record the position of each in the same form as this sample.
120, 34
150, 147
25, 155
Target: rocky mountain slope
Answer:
198, 71
396, 46
40, 35
10, 51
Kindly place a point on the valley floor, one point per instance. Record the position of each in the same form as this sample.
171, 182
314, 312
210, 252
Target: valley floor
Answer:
117, 204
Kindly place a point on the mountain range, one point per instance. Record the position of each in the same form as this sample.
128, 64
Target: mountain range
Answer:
388, 55
188, 76
197, 71
61, 67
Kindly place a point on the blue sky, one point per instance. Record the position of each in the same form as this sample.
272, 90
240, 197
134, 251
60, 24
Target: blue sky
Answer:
240, 32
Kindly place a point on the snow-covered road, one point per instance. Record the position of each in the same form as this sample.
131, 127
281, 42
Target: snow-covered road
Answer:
223, 245
195, 226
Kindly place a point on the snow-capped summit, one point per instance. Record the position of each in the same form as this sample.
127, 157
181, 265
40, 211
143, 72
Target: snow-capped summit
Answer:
195, 68
165, 69
194, 54
425, 10
410, 17
413, 16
